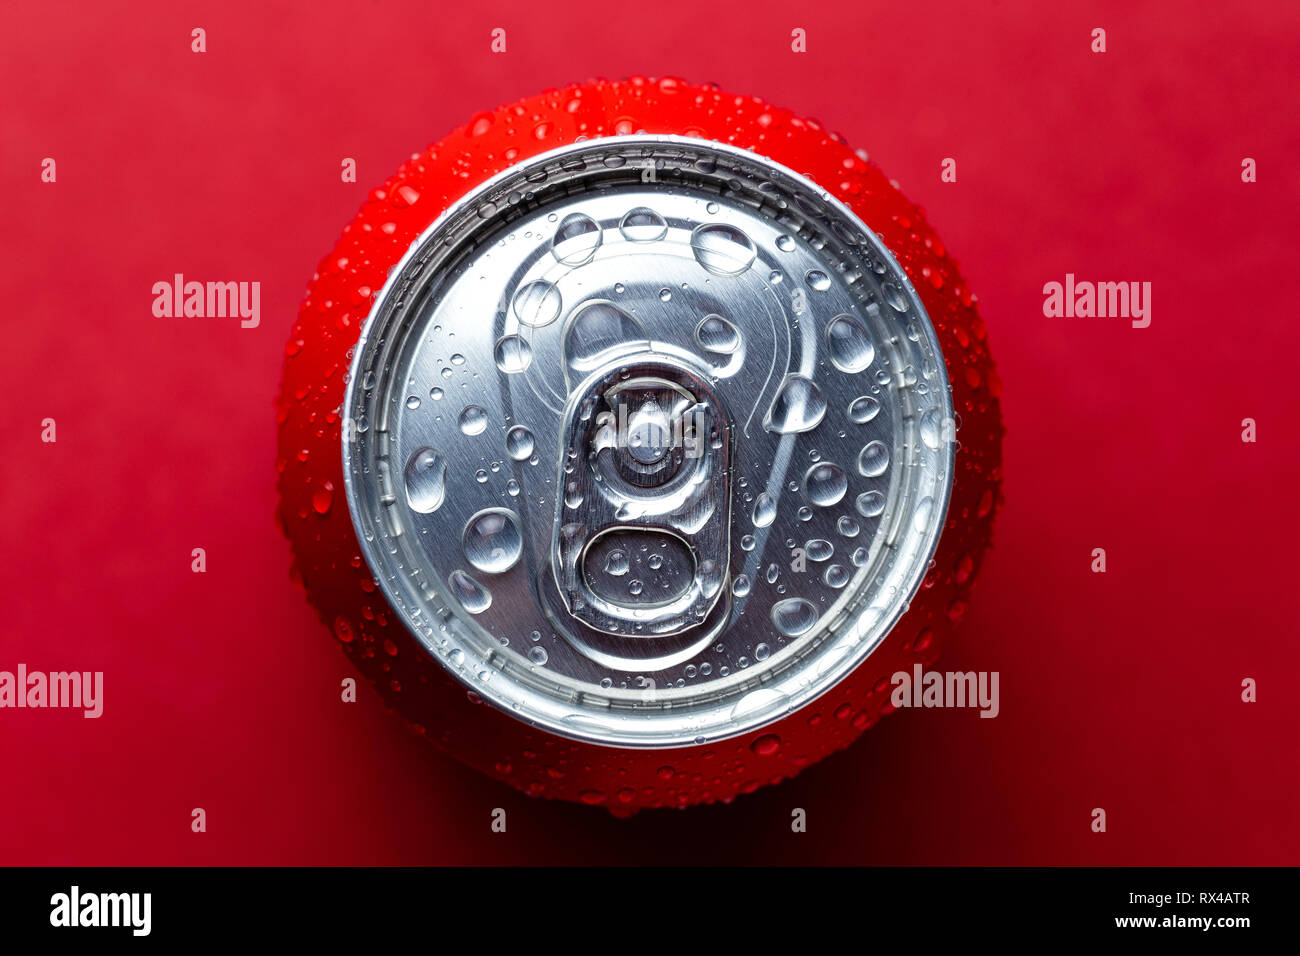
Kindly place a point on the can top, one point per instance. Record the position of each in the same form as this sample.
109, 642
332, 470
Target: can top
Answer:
648, 440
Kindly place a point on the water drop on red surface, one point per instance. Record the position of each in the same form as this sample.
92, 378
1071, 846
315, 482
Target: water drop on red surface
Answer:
322, 498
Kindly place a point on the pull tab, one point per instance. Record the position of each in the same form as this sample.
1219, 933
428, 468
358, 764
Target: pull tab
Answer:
641, 544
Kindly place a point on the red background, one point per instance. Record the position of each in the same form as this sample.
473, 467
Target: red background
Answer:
1118, 690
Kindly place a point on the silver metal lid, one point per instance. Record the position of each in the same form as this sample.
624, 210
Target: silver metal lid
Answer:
648, 440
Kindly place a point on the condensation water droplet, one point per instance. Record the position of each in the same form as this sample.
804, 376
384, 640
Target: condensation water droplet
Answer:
473, 420
576, 240
894, 296
818, 280
762, 652
785, 243
426, 480
436, 393
716, 334
473, 597
825, 484
537, 655
764, 510
537, 304
520, 443
513, 354
921, 517
848, 344
797, 407
873, 459
819, 549
859, 557
573, 494
794, 616
863, 409
848, 527
932, 428
870, 504
643, 224
413, 402
492, 541
773, 572
593, 329
740, 586
722, 250
616, 564
836, 576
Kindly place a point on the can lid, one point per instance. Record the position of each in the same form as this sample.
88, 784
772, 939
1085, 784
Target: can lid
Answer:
648, 440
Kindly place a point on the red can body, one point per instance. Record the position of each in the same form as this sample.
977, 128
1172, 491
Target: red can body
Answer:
314, 511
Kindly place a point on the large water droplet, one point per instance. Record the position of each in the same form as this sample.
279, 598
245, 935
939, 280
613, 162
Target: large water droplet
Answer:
921, 517
794, 616
576, 240
716, 334
537, 304
894, 295
594, 329
616, 563
643, 224
722, 249
863, 409
520, 443
473, 420
849, 344
797, 407
426, 480
513, 354
932, 428
825, 484
764, 510
473, 597
873, 459
492, 541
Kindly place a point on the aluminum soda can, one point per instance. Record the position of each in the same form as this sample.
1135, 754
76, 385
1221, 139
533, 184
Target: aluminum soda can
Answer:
619, 443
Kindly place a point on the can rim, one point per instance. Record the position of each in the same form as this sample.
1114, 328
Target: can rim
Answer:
826, 679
